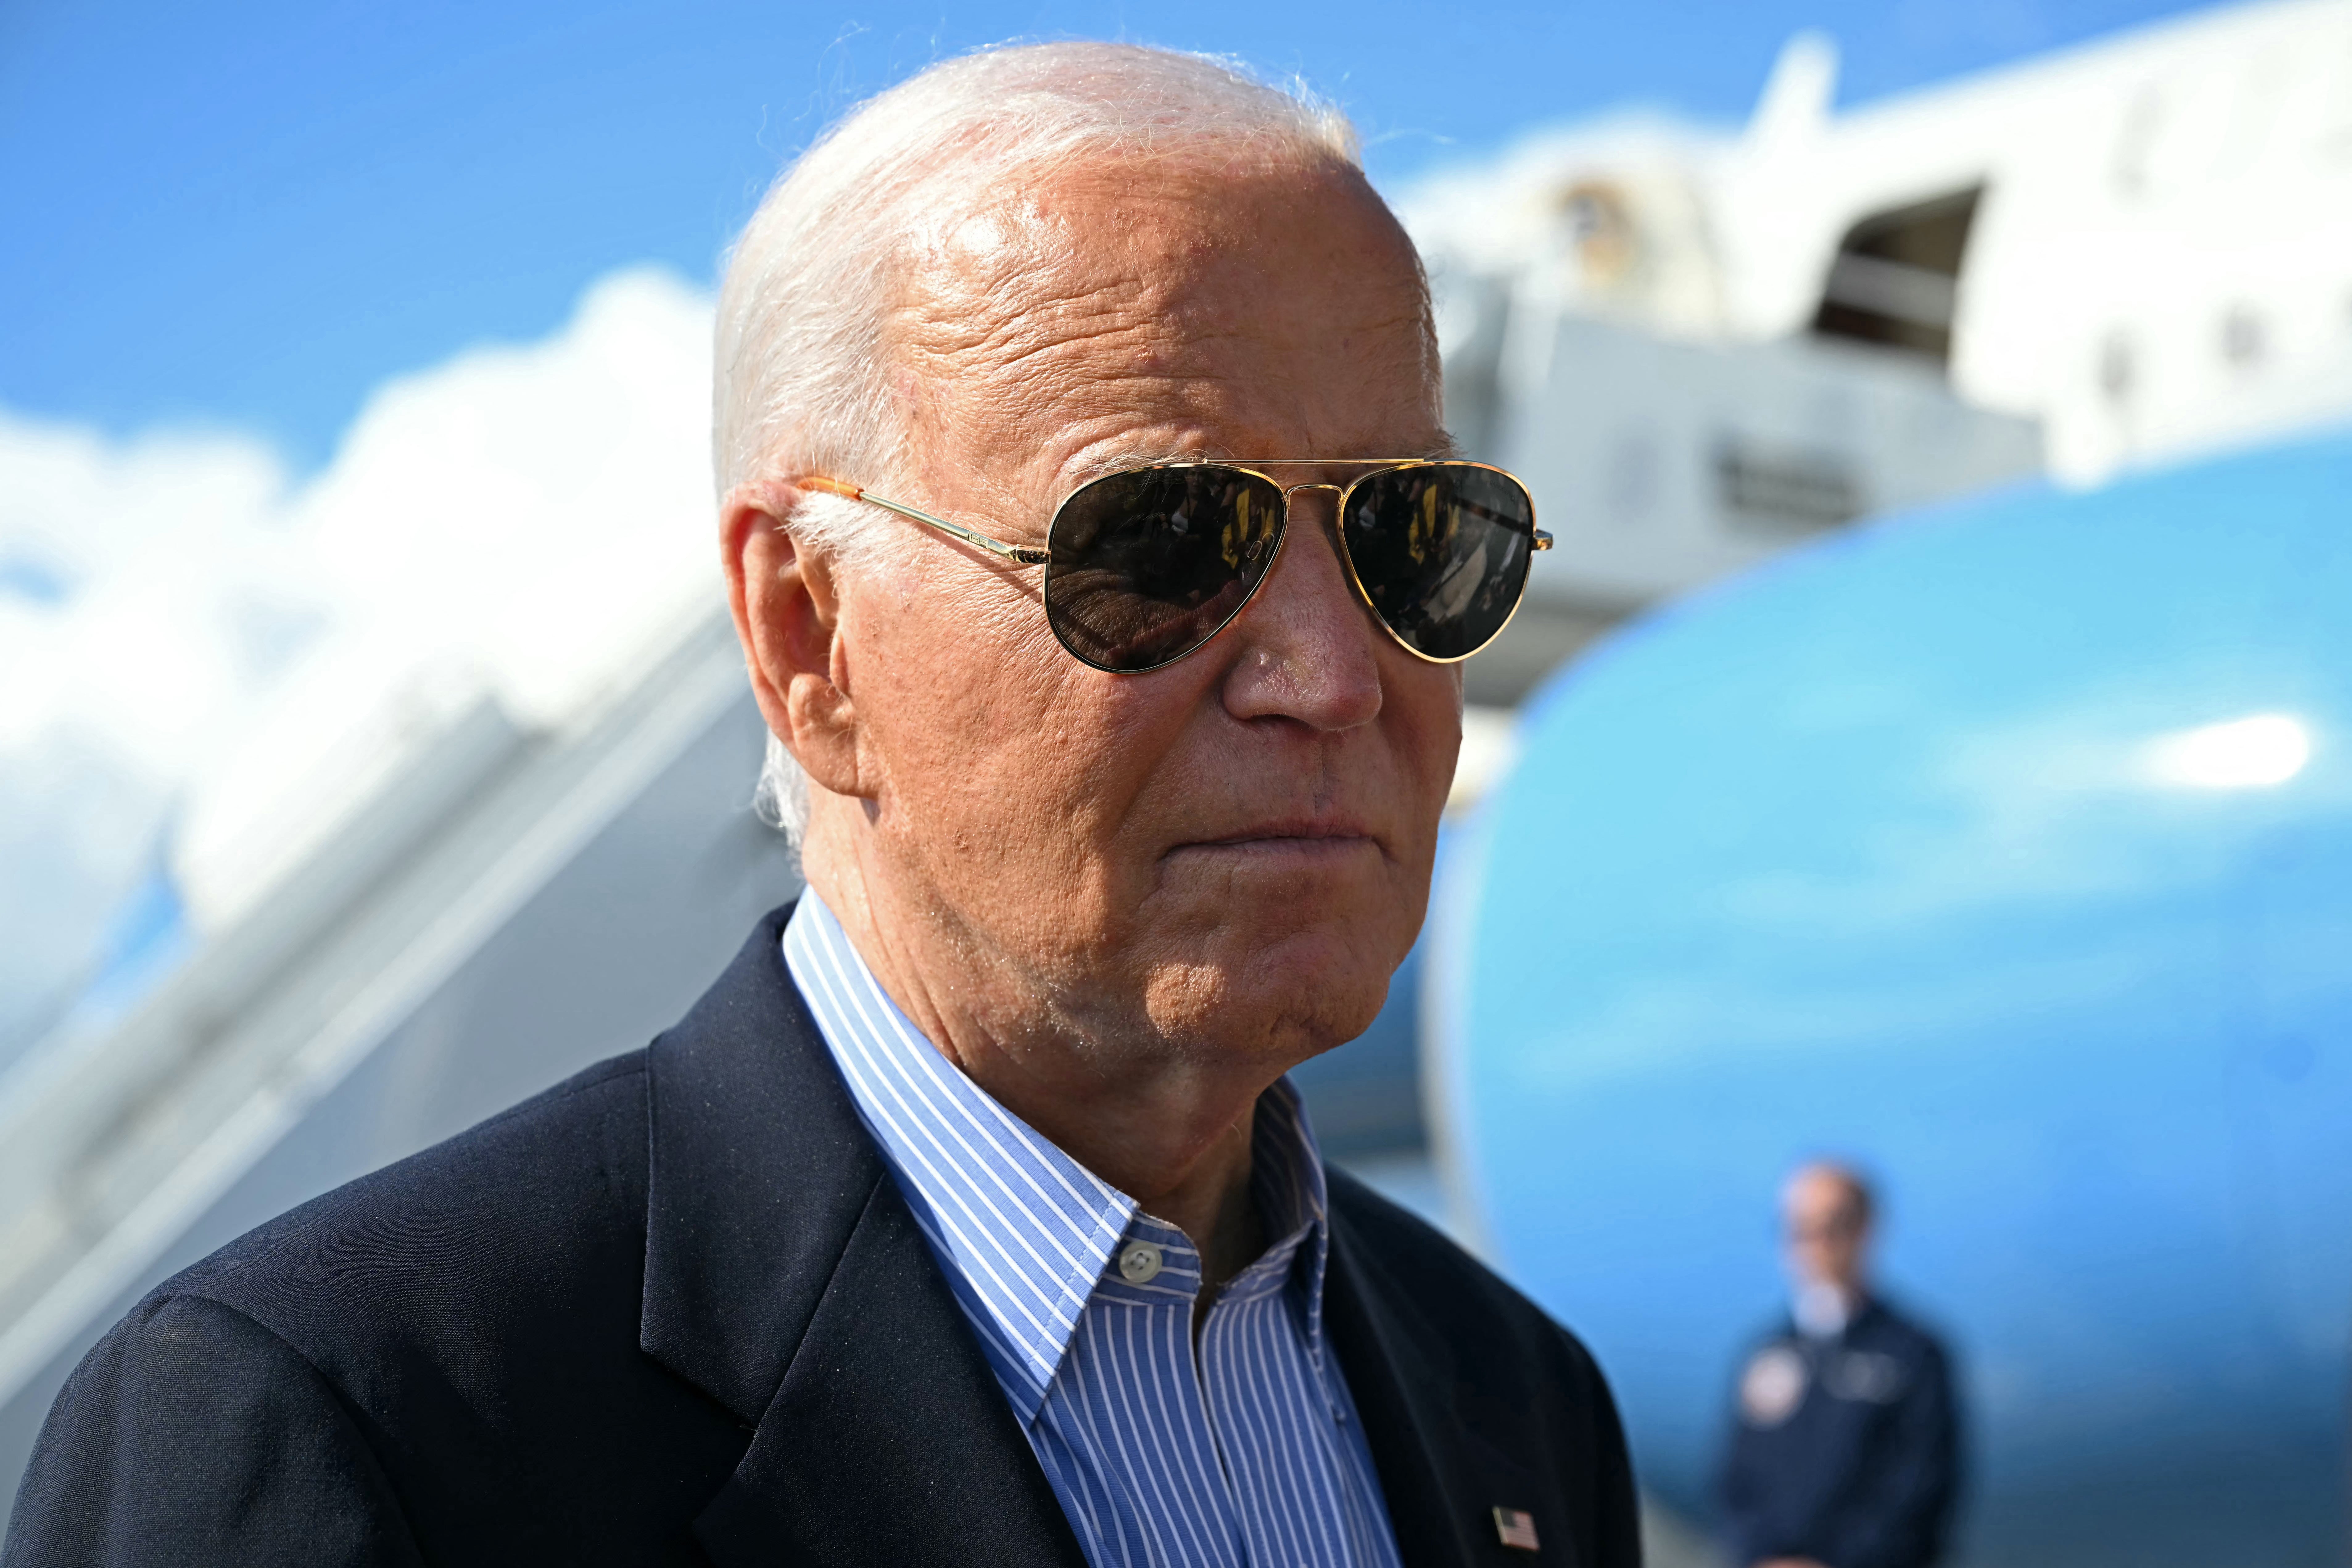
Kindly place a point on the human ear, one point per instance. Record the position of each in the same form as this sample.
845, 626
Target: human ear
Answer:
785, 599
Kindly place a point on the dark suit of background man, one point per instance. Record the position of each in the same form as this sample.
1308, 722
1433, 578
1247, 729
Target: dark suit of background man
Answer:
969, 1217
1846, 1444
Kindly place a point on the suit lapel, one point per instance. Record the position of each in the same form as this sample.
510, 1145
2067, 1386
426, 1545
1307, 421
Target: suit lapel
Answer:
1440, 1477
786, 1278
888, 1440
759, 1170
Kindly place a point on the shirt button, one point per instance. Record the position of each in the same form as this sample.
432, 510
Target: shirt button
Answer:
1139, 1262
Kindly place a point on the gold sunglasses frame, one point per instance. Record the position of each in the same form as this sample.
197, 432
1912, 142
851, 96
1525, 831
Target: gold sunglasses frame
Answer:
1031, 555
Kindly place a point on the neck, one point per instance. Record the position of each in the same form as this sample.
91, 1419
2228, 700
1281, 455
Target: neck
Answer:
1825, 1307
1168, 1128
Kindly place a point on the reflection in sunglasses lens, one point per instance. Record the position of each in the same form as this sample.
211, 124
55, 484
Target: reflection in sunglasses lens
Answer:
1147, 566
1441, 550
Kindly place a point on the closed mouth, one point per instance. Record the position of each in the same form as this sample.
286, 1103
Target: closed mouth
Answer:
1294, 838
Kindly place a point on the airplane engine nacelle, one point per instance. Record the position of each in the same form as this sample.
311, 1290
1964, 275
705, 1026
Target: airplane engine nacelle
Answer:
2006, 848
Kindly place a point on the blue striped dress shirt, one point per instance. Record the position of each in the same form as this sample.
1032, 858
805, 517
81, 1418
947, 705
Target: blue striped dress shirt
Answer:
1247, 1452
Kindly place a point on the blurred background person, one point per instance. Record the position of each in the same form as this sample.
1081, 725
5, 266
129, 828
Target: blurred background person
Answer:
1844, 1449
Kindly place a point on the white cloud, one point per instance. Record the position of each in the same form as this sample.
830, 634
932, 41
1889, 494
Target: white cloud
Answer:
186, 628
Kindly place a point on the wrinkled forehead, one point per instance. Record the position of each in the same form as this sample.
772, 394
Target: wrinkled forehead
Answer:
1136, 302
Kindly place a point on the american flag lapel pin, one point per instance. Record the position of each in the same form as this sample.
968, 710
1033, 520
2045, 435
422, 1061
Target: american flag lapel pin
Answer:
1517, 1529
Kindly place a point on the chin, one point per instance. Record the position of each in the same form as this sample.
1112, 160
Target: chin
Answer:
1277, 988
1302, 1024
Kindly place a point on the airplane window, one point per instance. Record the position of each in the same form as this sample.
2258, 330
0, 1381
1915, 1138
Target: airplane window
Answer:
2244, 341
1776, 489
1895, 279
2118, 368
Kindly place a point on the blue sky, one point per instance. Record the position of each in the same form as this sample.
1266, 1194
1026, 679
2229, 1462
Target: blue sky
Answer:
247, 216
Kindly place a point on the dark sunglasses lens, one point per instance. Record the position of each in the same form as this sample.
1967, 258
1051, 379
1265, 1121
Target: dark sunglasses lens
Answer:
1442, 550
1147, 566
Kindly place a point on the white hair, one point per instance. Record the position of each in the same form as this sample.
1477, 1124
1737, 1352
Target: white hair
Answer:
801, 363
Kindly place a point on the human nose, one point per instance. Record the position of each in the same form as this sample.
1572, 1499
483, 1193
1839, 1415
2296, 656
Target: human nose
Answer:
1310, 650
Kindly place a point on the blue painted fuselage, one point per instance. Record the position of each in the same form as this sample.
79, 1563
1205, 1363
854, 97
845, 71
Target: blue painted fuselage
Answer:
2007, 849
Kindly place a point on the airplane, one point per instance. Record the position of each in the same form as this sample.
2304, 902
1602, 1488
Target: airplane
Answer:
2141, 244
2004, 847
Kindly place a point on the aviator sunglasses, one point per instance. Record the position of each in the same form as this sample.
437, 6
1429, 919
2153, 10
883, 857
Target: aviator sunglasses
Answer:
1145, 565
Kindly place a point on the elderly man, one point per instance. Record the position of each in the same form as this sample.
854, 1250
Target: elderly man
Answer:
1100, 574
1846, 1443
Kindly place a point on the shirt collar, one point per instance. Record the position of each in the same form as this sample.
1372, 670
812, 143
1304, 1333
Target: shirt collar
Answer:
1025, 1233
1822, 1310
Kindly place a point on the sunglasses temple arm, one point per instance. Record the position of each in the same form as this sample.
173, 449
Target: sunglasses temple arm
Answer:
1025, 556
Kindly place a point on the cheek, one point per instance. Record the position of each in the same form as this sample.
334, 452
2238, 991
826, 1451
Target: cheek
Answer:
953, 681
1091, 759
1004, 764
1422, 712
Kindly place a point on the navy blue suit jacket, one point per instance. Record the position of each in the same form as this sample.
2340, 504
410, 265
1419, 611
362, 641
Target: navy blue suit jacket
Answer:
674, 1312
